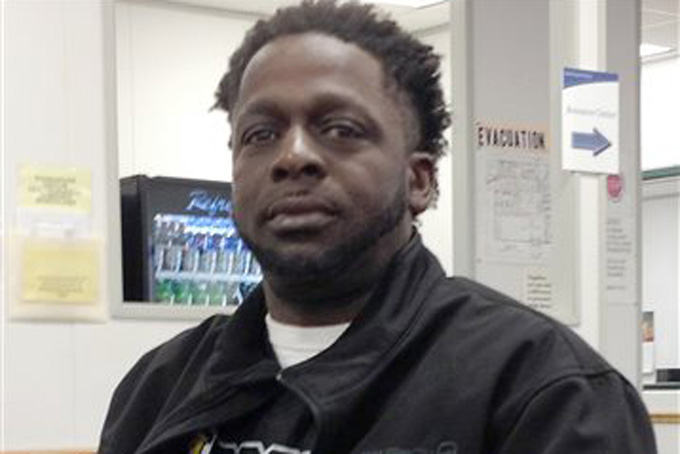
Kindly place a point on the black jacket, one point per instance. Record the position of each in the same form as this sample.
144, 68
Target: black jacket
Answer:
432, 365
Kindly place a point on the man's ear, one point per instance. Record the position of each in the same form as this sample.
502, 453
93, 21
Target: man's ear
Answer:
421, 181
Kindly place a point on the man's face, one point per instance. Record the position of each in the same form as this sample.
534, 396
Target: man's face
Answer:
322, 167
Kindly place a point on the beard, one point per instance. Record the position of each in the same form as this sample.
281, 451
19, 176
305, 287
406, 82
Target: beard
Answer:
337, 258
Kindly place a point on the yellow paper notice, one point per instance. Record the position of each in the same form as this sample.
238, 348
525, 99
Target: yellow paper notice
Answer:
60, 271
62, 188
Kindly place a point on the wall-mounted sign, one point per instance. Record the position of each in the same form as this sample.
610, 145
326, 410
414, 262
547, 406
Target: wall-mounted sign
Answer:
513, 193
56, 279
507, 138
590, 121
615, 188
539, 289
56, 258
60, 271
64, 189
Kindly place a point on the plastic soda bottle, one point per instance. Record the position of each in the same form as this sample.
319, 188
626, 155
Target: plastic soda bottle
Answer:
222, 259
241, 259
163, 291
250, 265
213, 253
206, 263
172, 259
216, 293
231, 248
230, 292
191, 253
158, 243
199, 291
183, 292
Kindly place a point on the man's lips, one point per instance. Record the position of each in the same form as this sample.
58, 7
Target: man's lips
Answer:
299, 213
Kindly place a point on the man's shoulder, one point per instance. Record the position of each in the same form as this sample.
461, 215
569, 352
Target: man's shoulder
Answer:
154, 383
198, 339
162, 364
507, 330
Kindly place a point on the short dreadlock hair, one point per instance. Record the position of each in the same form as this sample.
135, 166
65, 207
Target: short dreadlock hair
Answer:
411, 64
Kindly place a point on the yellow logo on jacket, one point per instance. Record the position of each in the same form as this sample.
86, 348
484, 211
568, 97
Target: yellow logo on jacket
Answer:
201, 445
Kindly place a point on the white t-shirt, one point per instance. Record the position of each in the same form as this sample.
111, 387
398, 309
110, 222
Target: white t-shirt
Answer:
294, 344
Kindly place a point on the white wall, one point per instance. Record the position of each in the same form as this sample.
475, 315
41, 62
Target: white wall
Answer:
664, 402
170, 60
660, 111
661, 266
437, 223
58, 377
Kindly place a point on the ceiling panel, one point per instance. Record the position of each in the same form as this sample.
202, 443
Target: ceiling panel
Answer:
258, 7
660, 22
666, 35
410, 18
667, 6
660, 18
653, 18
265, 7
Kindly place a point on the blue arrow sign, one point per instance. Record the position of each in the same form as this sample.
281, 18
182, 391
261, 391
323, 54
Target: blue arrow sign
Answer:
594, 141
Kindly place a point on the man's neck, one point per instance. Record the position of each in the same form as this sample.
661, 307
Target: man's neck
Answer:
324, 301
336, 298
328, 310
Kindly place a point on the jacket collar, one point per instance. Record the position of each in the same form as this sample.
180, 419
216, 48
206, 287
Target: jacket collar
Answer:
243, 352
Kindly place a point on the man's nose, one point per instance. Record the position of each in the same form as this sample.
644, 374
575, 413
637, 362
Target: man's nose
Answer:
298, 157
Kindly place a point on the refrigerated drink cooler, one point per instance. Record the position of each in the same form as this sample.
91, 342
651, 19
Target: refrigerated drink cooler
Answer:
180, 244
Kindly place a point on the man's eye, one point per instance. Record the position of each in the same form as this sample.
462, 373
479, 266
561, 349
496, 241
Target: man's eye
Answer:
342, 130
259, 136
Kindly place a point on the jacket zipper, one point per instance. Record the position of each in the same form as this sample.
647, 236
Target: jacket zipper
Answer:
309, 402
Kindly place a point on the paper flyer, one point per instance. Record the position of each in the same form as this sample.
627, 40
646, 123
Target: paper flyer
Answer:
67, 189
60, 271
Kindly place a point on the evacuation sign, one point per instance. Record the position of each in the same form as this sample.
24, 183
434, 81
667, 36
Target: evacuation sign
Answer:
590, 121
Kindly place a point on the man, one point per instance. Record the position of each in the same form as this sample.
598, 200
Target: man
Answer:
356, 342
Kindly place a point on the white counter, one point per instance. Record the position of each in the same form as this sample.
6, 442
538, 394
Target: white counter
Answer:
664, 408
